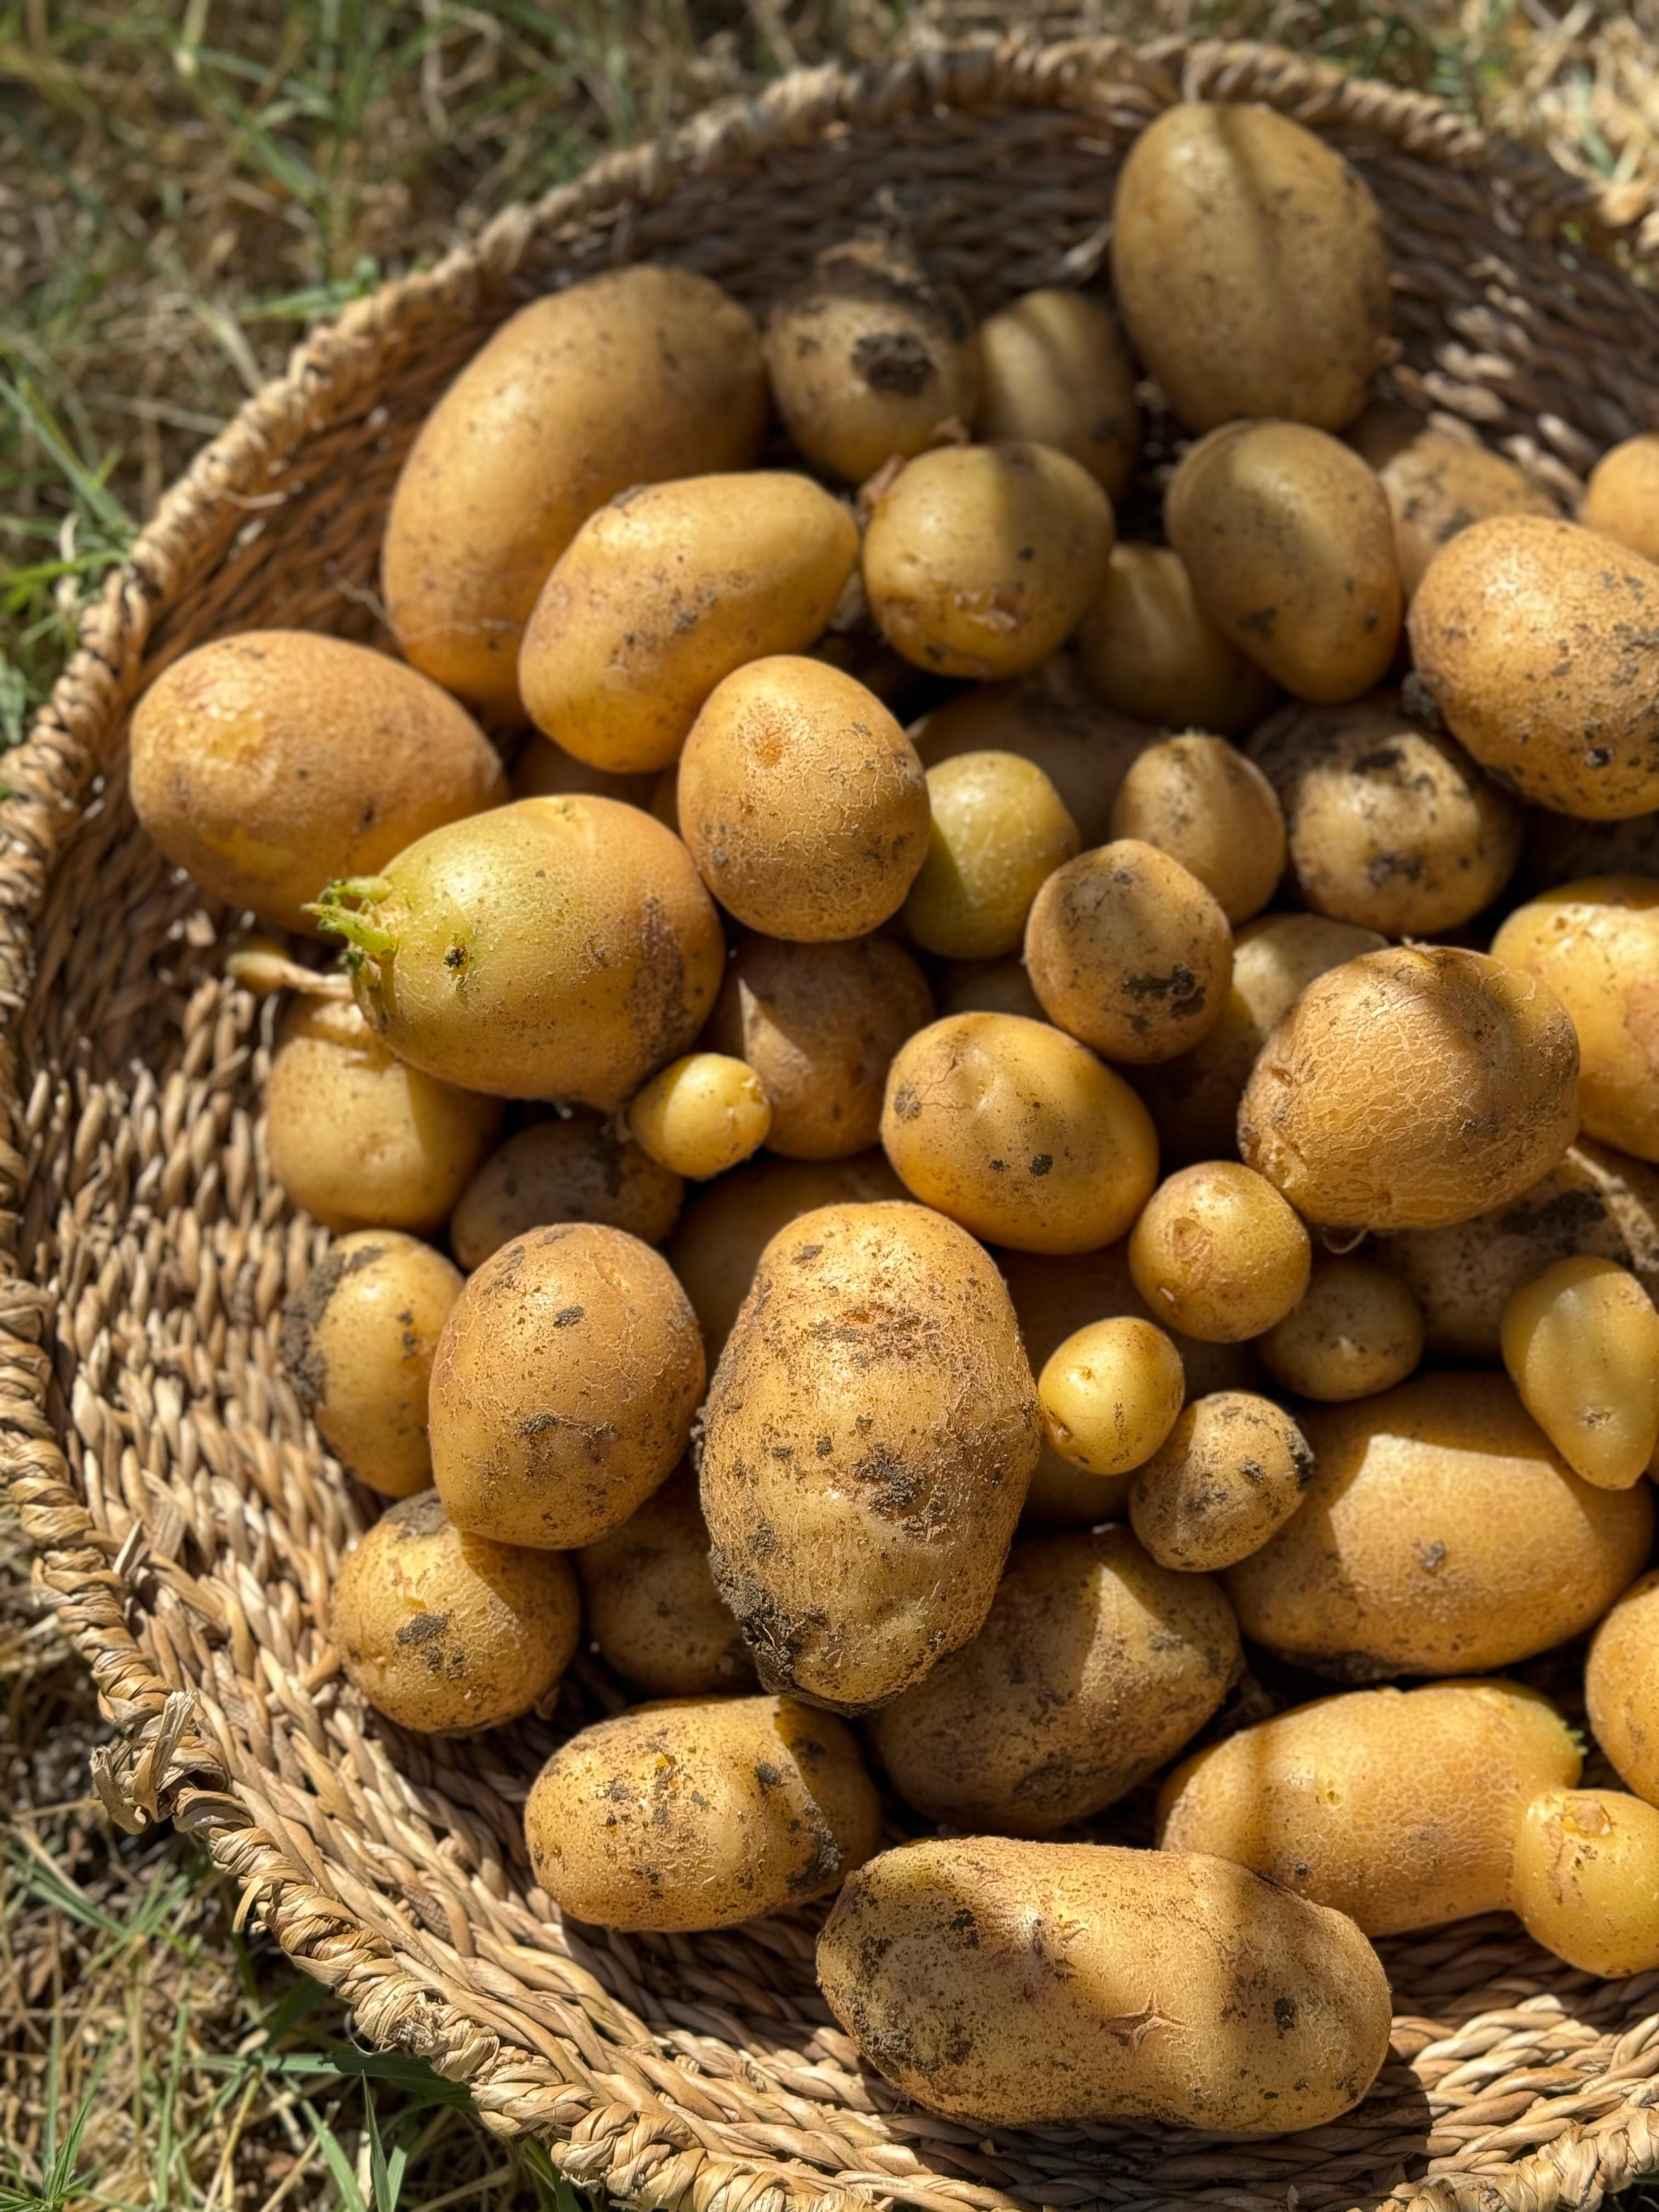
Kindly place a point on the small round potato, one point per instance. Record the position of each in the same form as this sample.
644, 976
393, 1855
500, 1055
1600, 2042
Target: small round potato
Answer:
1053, 369
569, 1168
357, 1340
989, 987
1232, 1471
1581, 1342
1438, 482
1217, 1254
1586, 1880
1093, 1667
1201, 801
448, 1632
700, 1812
1622, 1686
1018, 1132
1147, 649
565, 1383
1621, 499
650, 1603
979, 561
1356, 1330
701, 1114
1111, 1393
999, 833
1129, 952
544, 770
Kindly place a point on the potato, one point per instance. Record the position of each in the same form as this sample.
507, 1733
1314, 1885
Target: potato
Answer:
1586, 1881
979, 561
989, 986
570, 1168
1399, 1807
1356, 1330
870, 356
700, 1812
1013, 1984
1233, 1470
358, 1138
1286, 534
1411, 1088
1438, 482
1441, 1535
819, 1024
1148, 650
1217, 1254
1093, 1667
1531, 638
1581, 1342
631, 377
1201, 801
448, 1633
650, 1603
1053, 369
667, 590
702, 1114
1128, 952
357, 1340
564, 1386
999, 832
867, 1439
468, 968
1248, 262
1110, 1394
1619, 499
1621, 1684
544, 770
1018, 1132
1390, 827
803, 801
1559, 849
267, 762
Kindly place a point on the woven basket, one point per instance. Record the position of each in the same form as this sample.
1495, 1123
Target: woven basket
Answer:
188, 1520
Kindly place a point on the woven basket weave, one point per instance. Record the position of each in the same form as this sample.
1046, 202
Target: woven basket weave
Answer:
188, 1520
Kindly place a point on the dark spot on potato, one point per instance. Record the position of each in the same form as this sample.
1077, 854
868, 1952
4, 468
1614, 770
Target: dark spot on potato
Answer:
1041, 1163
567, 1317
1285, 2014
296, 1344
423, 1627
898, 361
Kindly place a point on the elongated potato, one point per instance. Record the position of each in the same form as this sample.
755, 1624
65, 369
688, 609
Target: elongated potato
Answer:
1438, 482
1587, 1880
650, 1603
1054, 368
1581, 1342
569, 1168
1622, 1686
1148, 649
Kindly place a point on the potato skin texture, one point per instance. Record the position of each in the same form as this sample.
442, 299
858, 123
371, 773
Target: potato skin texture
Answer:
1586, 1882
1011, 1984
1217, 1254
1199, 799
267, 762
999, 831
1397, 1806
446, 1632
1053, 369
631, 377
1440, 1534
1232, 1473
650, 1603
569, 1168
1357, 1330
867, 1440
1147, 649
1621, 1685
1437, 483
700, 1812
1622, 496
1094, 1667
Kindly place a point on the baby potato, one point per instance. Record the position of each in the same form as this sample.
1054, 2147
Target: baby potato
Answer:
989, 987
1390, 827
1621, 499
999, 832
564, 1386
1248, 261
1441, 1535
1018, 1132
1093, 1667
650, 1603
1111, 1393
867, 1439
1530, 636
819, 1024
570, 1168
1621, 1684
356, 1136
802, 801
701, 1114
1586, 1880
1411, 1088
667, 590
1438, 482
1148, 649
979, 561
1581, 1342
267, 762
1054, 368
631, 377
1128, 952
700, 1812
1286, 536
357, 1338
1012, 1983
448, 1633
1356, 1330
1399, 1807
544, 770
1217, 1254
1201, 801
1233, 1470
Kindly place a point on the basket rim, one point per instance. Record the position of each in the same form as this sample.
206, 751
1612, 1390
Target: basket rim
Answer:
161, 1766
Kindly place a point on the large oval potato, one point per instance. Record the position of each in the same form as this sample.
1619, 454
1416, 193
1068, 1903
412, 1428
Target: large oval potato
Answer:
1438, 482
1054, 368
1148, 650
1622, 1686
650, 1603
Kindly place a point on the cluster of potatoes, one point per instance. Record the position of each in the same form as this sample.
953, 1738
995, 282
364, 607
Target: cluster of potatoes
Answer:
1162, 1033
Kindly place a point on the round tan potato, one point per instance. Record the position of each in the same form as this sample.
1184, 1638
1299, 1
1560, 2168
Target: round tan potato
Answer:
570, 1168
1248, 262
1581, 1342
1053, 369
1441, 1535
1586, 1881
667, 590
631, 377
1201, 801
980, 560
867, 1440
700, 1812
357, 1340
1093, 1667
544, 770
1217, 1254
1411, 1088
265, 763
1357, 1330
803, 801
1286, 534
356, 1136
564, 1386
1531, 638
819, 1024
1438, 482
1013, 1984
1621, 499
1390, 827
448, 1633
1018, 1132
1399, 1807
1560, 849
1621, 1685
999, 833
1111, 1393
702, 1114
1233, 1471
1128, 952
650, 1603
989, 986
1147, 649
